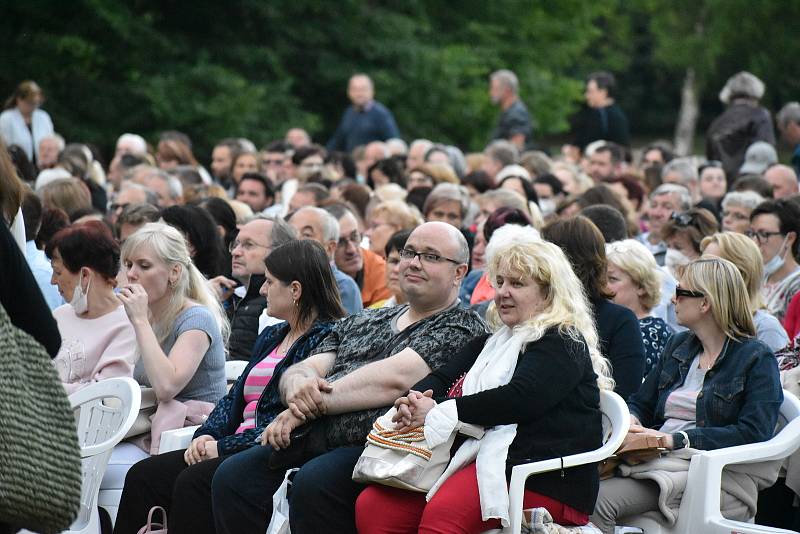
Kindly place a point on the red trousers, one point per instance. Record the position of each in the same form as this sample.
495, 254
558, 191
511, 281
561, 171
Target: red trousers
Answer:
455, 509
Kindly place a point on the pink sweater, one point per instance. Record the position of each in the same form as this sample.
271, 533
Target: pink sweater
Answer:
93, 349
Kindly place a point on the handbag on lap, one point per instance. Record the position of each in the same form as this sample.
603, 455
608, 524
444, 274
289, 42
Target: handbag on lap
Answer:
403, 459
40, 462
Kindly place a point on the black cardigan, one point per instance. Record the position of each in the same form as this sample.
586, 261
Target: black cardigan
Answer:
554, 399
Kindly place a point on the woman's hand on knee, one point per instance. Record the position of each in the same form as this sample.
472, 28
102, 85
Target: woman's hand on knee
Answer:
197, 450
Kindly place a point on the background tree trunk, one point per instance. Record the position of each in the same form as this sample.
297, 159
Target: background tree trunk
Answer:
687, 117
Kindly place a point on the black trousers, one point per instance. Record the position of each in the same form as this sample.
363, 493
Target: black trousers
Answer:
165, 480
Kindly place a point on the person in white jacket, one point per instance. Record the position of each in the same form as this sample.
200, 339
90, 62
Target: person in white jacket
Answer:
22, 123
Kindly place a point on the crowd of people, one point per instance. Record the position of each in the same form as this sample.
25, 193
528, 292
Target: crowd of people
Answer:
503, 288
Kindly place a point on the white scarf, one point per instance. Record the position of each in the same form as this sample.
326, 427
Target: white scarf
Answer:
493, 368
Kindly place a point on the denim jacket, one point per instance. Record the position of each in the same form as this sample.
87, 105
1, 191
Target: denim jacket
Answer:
738, 403
229, 411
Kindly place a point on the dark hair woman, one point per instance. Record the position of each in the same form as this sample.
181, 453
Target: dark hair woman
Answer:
97, 338
22, 123
300, 289
617, 326
202, 237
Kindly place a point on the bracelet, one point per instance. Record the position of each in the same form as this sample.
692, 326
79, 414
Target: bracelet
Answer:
685, 438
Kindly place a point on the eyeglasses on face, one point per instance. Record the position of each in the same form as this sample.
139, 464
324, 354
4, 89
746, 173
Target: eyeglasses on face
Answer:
354, 238
761, 236
425, 257
681, 292
246, 245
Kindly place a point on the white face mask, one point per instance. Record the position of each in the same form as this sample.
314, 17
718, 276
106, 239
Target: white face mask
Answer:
547, 206
80, 298
675, 258
774, 265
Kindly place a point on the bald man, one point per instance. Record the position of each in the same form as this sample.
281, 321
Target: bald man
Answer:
783, 180
357, 372
364, 120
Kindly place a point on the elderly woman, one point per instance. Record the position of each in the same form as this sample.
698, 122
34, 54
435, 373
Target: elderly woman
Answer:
617, 326
534, 385
683, 233
97, 338
736, 209
715, 386
23, 123
447, 203
775, 226
301, 291
744, 254
635, 280
386, 219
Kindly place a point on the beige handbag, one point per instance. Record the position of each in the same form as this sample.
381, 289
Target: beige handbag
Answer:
403, 459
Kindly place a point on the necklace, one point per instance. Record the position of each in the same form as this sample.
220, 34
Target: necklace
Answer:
713, 360
287, 342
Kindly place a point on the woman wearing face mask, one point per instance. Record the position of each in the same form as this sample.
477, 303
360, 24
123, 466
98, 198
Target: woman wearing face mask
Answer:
774, 226
97, 339
683, 233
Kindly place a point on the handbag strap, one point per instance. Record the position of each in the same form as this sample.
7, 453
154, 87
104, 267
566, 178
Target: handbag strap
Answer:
152, 511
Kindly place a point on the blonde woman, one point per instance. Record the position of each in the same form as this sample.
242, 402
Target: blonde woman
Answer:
744, 254
635, 280
534, 384
715, 386
387, 218
180, 327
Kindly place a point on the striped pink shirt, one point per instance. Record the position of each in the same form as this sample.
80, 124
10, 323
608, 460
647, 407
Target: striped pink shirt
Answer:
257, 379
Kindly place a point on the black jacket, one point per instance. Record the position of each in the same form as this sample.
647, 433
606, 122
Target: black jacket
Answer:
243, 314
621, 343
739, 126
554, 399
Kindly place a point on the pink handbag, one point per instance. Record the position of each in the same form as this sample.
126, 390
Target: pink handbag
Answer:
154, 528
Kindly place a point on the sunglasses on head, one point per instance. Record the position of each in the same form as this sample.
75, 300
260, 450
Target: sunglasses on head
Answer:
681, 292
682, 219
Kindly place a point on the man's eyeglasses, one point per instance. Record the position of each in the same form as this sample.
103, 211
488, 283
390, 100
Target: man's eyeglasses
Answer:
354, 238
246, 245
115, 206
680, 292
426, 257
761, 236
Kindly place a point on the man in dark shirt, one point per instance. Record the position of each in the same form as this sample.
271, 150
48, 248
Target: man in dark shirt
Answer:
602, 119
514, 123
365, 120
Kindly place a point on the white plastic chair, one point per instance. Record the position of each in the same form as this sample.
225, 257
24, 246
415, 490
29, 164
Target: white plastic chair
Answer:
616, 420
700, 506
180, 438
105, 411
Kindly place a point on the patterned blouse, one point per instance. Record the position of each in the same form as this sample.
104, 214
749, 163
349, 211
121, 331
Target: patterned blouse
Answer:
655, 334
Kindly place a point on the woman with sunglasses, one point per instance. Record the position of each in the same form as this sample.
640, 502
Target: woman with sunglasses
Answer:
715, 386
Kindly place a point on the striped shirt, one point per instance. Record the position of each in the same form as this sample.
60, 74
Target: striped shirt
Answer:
257, 379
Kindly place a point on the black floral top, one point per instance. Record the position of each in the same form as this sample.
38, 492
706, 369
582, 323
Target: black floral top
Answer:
655, 334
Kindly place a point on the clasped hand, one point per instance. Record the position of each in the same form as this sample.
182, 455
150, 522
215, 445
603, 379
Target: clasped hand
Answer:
305, 399
638, 429
278, 431
411, 410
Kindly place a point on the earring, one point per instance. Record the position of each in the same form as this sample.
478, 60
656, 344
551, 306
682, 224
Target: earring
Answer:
295, 303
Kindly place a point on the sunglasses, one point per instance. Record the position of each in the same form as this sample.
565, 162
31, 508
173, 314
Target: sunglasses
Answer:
682, 219
681, 292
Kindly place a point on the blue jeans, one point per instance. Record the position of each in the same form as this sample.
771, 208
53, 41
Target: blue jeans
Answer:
322, 497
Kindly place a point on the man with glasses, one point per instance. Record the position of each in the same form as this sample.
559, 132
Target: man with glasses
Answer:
240, 297
357, 372
364, 266
320, 226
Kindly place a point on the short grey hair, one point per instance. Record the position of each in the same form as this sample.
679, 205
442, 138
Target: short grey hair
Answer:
330, 226
150, 196
674, 189
742, 85
503, 151
742, 199
175, 186
427, 143
447, 192
60, 143
506, 197
682, 167
282, 232
507, 78
134, 139
790, 112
